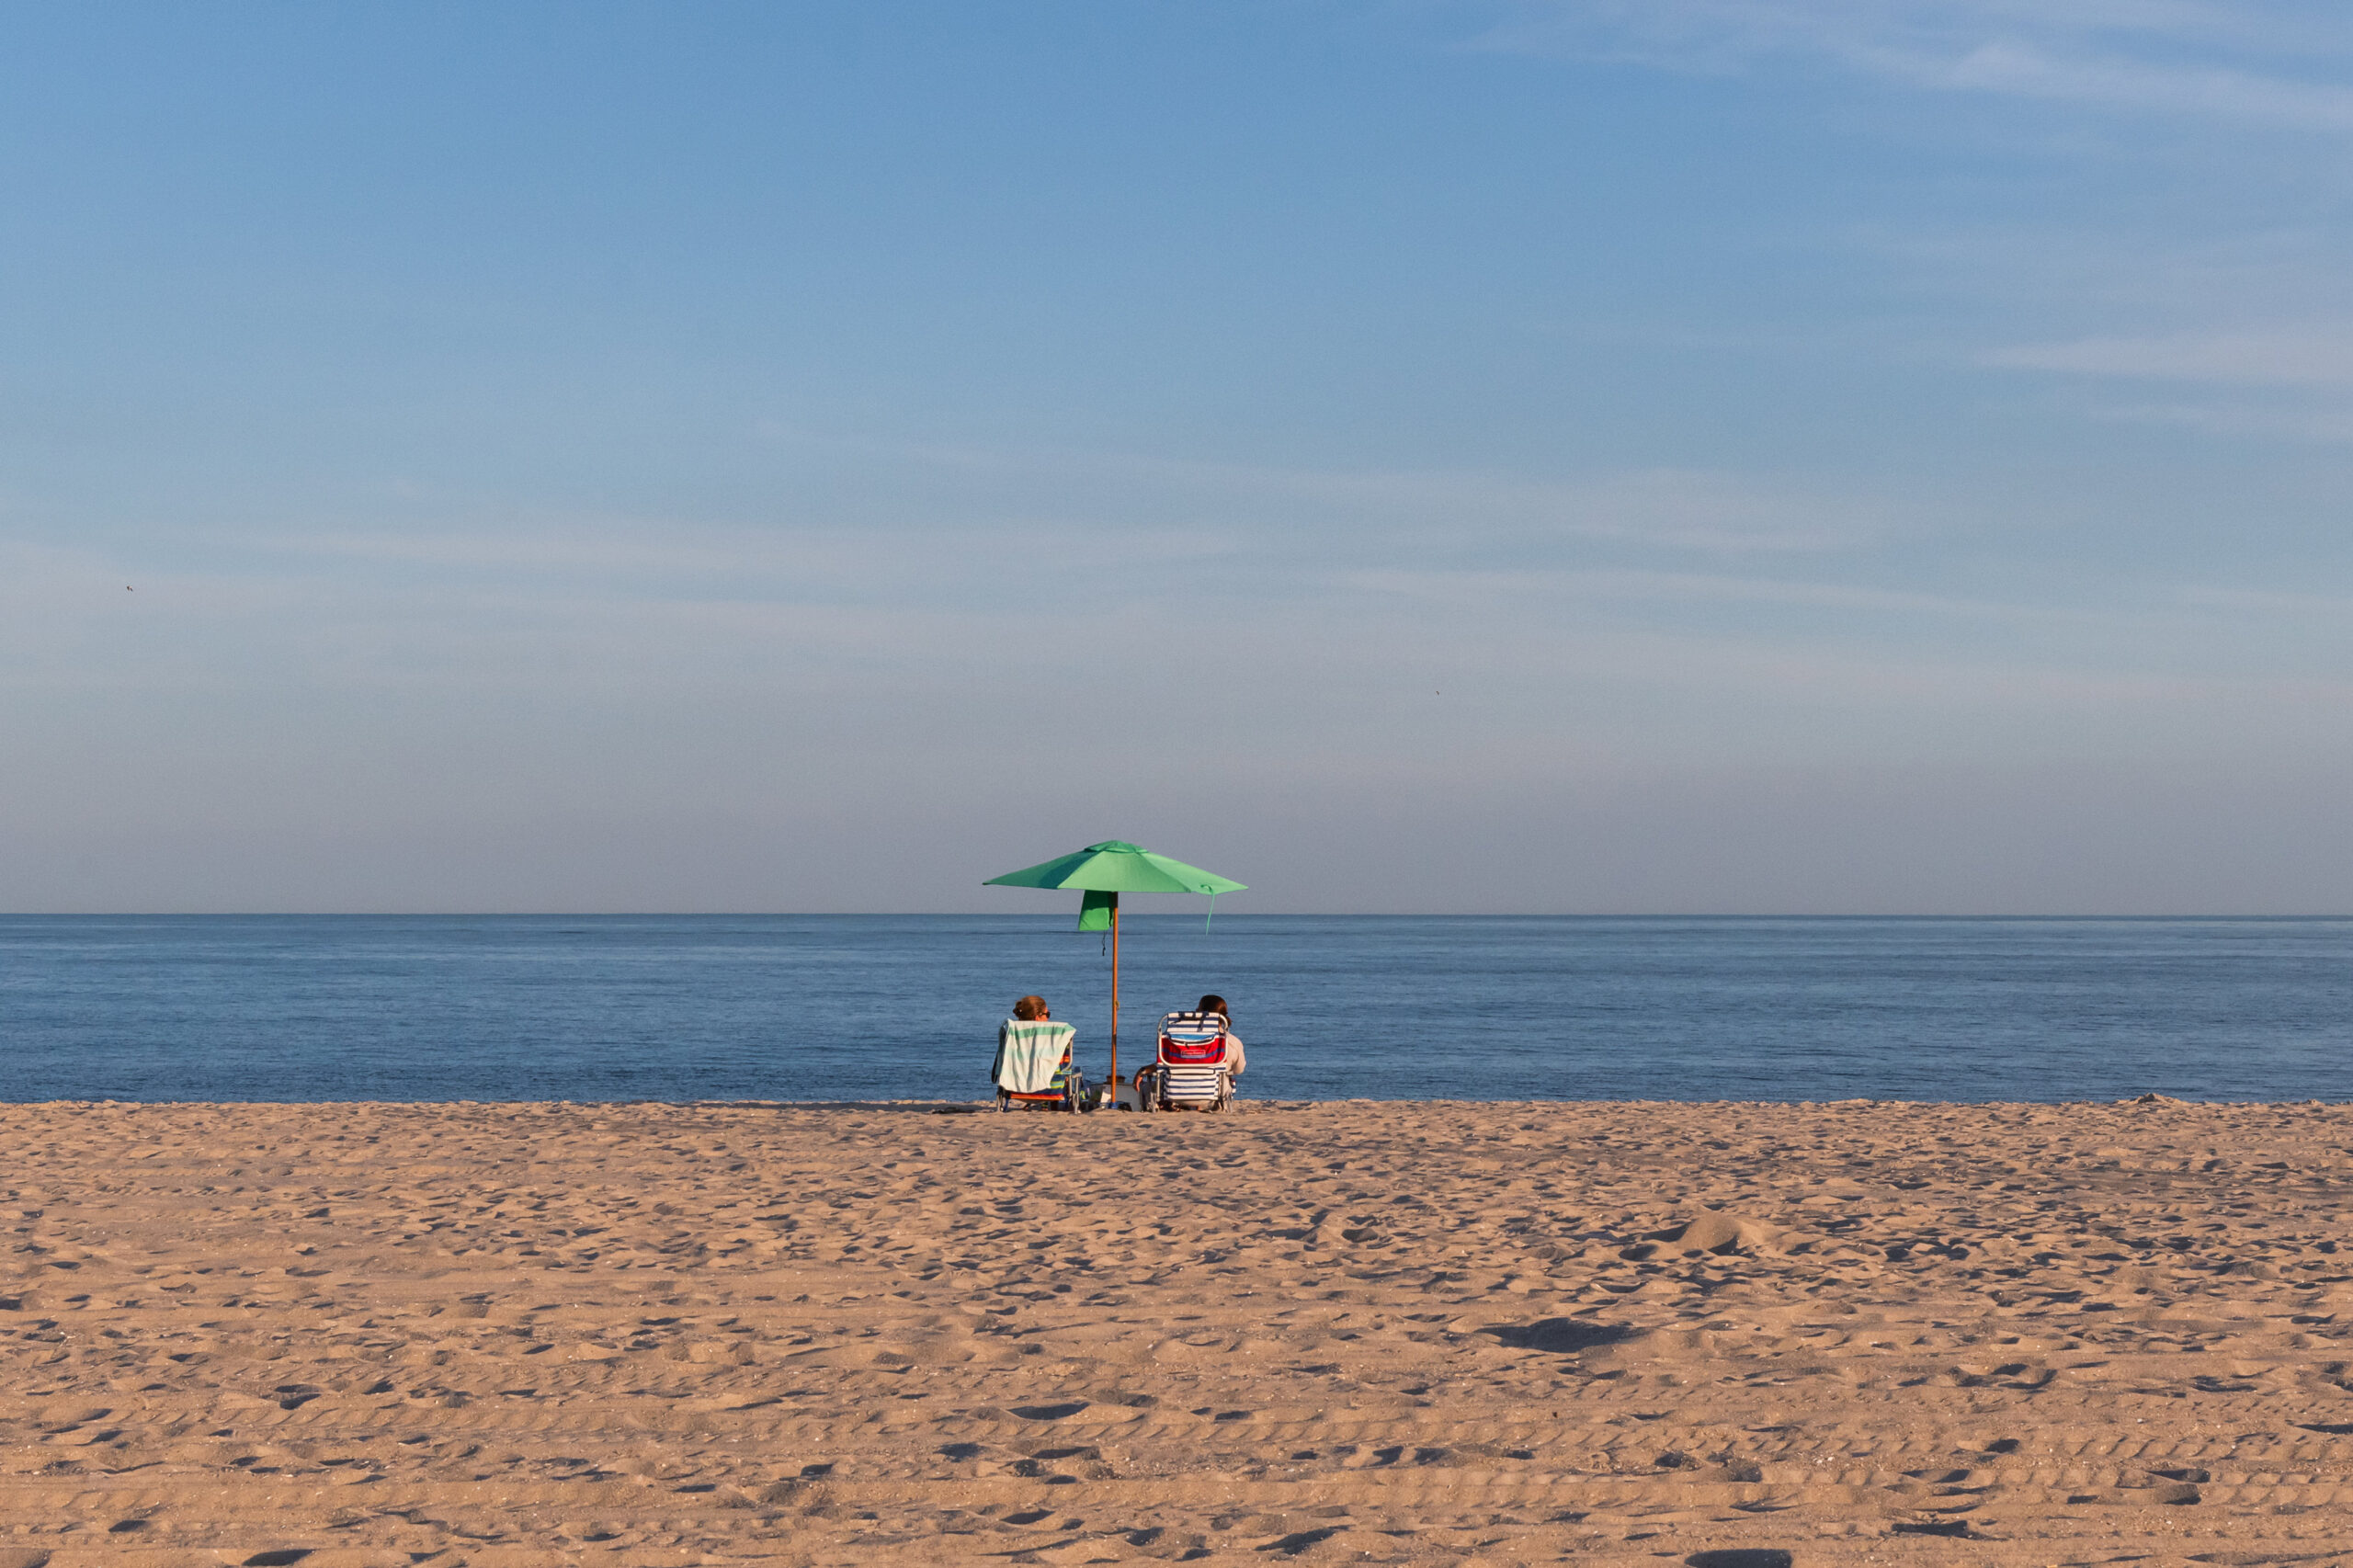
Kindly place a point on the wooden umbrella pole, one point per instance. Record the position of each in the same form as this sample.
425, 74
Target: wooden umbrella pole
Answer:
1115, 998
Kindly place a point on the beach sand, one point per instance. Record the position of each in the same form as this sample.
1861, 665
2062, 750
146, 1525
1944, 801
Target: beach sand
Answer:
1355, 1333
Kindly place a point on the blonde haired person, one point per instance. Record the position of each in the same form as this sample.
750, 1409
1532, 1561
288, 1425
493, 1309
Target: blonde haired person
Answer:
1033, 1063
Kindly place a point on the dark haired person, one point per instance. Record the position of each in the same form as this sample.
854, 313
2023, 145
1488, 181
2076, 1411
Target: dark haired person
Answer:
1234, 1058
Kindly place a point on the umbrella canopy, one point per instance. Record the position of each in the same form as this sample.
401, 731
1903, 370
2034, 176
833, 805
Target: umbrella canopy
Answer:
1114, 867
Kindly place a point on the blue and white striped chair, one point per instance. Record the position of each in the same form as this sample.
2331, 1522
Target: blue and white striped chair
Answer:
1190, 1071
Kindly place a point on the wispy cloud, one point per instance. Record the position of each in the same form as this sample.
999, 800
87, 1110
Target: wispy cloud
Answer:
1637, 588
1669, 508
2264, 63
2194, 280
1214, 504
2272, 384
2319, 355
2024, 70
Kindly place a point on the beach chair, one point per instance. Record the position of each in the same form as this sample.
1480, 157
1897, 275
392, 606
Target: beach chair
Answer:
1033, 1065
1189, 1071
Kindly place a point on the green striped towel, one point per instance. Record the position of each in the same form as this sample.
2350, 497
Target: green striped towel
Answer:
1032, 1058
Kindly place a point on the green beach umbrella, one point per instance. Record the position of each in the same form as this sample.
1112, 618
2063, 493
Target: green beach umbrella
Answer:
1102, 872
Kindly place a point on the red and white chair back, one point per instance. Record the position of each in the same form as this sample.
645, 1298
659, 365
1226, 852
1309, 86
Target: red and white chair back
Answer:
1190, 1068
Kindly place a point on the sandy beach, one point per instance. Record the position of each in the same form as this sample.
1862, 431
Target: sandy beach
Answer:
1362, 1333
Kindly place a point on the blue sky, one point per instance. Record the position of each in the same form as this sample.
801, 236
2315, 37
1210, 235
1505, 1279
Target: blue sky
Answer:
1787, 456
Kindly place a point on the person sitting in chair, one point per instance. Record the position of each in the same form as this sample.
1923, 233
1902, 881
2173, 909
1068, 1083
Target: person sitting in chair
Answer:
1184, 1076
1033, 1059
1234, 1058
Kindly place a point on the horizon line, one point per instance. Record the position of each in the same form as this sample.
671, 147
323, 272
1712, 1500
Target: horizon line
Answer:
1037, 913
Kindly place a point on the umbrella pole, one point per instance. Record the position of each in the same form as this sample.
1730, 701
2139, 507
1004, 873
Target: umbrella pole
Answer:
1115, 997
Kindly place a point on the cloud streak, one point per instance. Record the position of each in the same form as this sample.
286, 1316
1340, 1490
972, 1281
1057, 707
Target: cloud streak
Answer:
2273, 384
1205, 507
2317, 355
2279, 66
2208, 297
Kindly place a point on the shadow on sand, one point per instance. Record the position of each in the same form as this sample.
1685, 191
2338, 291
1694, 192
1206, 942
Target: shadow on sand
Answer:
1561, 1337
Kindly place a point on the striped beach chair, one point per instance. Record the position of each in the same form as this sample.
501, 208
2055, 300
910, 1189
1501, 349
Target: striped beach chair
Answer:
1189, 1071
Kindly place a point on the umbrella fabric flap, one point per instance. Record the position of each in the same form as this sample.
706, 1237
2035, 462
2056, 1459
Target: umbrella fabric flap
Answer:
1095, 910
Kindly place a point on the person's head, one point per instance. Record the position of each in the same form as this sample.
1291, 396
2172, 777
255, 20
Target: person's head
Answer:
1029, 1009
1214, 1005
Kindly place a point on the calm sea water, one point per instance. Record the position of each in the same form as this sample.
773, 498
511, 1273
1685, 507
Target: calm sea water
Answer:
836, 1007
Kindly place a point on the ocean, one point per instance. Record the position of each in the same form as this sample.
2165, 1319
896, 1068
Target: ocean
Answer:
855, 1007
